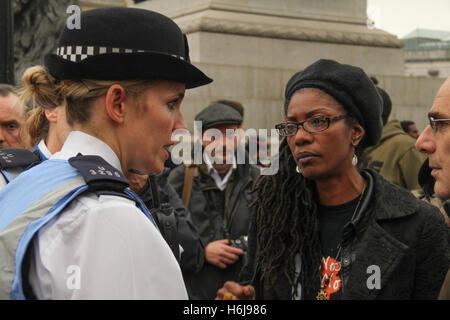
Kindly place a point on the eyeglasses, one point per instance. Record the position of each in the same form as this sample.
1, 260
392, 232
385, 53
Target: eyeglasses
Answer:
435, 124
312, 125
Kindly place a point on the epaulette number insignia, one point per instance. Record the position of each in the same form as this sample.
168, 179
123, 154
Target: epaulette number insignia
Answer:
102, 171
7, 156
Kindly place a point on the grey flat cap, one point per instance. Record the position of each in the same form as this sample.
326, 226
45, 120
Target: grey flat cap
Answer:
218, 113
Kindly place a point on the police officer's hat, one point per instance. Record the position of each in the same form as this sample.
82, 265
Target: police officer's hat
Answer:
124, 44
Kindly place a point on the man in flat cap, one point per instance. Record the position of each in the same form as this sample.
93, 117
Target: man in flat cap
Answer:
217, 194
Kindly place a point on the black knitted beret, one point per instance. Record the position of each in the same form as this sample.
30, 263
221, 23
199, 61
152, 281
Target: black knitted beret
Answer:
350, 86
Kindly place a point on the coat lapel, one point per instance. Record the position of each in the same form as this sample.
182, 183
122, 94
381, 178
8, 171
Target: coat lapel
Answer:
377, 248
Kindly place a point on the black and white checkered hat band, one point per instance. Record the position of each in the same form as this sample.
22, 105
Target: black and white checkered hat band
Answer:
79, 53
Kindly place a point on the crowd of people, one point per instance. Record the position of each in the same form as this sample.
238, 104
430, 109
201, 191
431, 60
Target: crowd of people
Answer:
93, 207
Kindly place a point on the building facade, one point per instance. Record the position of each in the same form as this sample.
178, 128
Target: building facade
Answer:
252, 47
427, 53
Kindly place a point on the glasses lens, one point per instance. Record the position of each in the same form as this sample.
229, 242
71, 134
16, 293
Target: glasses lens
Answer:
316, 124
291, 128
286, 129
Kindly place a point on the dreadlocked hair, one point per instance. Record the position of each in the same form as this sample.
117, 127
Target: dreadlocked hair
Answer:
287, 224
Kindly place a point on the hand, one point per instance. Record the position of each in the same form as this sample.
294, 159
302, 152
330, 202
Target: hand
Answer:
220, 254
235, 291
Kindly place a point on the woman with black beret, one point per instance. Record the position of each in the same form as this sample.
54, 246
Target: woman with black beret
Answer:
70, 228
326, 230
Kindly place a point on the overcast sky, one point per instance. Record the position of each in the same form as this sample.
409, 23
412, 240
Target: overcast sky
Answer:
403, 16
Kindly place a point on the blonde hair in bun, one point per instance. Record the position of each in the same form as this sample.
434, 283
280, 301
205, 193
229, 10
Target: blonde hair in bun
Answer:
40, 88
36, 126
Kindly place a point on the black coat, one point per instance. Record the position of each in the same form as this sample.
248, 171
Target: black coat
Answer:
186, 234
208, 206
405, 237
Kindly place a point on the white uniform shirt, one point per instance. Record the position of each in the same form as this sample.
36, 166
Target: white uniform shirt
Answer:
102, 247
43, 148
2, 181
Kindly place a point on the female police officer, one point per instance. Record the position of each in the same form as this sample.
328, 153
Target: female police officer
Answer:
70, 228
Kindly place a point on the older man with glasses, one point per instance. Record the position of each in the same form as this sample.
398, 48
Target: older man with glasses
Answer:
435, 142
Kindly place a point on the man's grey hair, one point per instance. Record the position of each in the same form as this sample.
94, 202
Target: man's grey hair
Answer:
6, 89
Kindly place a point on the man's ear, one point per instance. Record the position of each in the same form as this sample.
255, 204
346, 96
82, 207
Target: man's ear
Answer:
115, 96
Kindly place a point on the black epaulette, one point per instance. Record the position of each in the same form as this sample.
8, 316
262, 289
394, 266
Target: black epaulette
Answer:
101, 177
17, 158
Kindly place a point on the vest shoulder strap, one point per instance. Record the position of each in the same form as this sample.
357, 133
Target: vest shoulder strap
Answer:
103, 179
14, 161
14, 158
